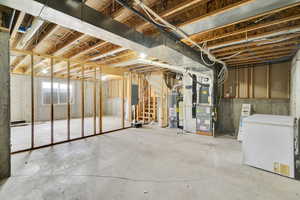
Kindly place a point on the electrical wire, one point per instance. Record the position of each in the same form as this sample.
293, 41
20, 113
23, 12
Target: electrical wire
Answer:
223, 72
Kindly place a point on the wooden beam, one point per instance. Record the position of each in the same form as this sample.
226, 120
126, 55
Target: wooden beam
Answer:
284, 44
257, 61
17, 26
38, 45
218, 11
107, 69
260, 56
245, 30
281, 39
262, 52
172, 11
248, 37
248, 19
97, 45
68, 44
62, 48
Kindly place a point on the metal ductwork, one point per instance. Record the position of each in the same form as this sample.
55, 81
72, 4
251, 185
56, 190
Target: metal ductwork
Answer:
77, 16
149, 62
31, 31
109, 54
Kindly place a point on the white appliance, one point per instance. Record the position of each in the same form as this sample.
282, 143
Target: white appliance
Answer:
269, 143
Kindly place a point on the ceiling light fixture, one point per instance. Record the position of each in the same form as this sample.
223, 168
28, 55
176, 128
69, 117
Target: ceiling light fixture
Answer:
103, 78
143, 55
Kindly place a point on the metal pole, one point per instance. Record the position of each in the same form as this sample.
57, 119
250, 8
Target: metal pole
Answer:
122, 108
69, 103
95, 100
51, 108
32, 100
100, 100
82, 100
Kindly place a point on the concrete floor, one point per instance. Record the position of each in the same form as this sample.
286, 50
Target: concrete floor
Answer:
148, 163
21, 136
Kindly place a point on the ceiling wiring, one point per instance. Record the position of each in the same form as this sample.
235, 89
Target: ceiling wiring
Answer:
223, 72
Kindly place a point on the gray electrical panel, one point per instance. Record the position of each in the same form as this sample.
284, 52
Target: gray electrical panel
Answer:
134, 94
204, 119
172, 110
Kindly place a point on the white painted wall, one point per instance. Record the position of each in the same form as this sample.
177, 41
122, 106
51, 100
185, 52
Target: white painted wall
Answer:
295, 86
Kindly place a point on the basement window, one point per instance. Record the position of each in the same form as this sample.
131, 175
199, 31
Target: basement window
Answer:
60, 93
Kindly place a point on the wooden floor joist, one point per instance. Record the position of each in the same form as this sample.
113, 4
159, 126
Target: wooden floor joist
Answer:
223, 41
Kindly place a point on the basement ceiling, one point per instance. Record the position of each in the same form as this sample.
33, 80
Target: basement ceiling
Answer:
272, 34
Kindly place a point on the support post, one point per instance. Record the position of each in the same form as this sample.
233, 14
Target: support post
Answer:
143, 98
237, 83
129, 97
154, 107
5, 168
269, 81
51, 105
69, 103
95, 102
137, 116
100, 101
252, 82
123, 98
161, 113
149, 103
32, 99
82, 100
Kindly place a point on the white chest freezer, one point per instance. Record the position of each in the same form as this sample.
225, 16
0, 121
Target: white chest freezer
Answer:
269, 143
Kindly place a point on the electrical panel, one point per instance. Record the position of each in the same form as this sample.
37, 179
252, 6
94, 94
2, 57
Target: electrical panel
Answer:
134, 94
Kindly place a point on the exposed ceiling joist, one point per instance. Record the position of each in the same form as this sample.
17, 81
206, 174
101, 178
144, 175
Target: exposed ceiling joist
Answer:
248, 9
258, 47
103, 27
17, 26
275, 33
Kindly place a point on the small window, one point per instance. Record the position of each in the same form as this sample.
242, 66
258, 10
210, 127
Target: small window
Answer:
60, 93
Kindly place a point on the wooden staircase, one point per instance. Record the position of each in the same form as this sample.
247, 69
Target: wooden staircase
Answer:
147, 107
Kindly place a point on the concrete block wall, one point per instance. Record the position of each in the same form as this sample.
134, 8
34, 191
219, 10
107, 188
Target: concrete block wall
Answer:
295, 86
230, 110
